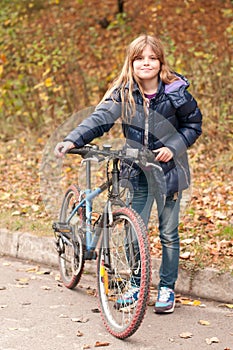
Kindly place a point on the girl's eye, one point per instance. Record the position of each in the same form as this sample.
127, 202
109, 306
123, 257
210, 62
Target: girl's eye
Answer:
139, 58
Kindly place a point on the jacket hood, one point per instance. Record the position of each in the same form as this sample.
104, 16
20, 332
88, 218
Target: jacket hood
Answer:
175, 85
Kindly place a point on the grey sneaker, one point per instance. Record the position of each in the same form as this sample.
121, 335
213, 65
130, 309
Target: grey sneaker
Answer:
130, 297
165, 302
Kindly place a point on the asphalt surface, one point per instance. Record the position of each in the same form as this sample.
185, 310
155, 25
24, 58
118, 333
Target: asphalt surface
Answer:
37, 312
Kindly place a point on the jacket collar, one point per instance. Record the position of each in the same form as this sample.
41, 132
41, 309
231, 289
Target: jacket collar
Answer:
161, 85
136, 87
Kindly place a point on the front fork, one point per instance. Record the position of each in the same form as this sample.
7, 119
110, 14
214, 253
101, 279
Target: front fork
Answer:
114, 199
107, 222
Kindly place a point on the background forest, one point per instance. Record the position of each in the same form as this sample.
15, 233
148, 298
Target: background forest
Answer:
57, 57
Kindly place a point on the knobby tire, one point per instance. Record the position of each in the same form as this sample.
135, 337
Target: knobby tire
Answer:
112, 284
71, 260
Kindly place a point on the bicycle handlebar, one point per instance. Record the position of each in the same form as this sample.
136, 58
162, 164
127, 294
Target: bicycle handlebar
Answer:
143, 156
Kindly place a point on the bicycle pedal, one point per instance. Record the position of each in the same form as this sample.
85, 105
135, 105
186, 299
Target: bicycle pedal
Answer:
61, 227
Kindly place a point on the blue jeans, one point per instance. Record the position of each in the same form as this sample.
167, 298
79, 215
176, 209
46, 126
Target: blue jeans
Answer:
168, 216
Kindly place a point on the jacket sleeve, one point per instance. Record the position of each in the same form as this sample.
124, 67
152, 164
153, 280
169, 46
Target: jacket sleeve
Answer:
189, 128
99, 122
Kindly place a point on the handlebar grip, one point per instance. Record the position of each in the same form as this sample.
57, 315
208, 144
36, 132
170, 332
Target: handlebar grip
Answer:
81, 151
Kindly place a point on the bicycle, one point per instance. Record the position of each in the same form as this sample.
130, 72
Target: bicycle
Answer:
121, 237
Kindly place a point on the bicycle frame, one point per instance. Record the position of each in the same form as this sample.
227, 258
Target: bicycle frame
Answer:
91, 240
105, 219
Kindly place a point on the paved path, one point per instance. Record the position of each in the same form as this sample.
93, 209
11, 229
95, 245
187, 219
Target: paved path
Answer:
36, 312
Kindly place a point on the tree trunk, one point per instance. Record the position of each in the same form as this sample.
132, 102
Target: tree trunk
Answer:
121, 6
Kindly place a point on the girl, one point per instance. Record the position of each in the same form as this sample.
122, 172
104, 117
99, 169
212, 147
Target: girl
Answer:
159, 113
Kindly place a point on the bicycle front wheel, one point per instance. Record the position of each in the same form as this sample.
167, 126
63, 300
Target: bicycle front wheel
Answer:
124, 285
71, 250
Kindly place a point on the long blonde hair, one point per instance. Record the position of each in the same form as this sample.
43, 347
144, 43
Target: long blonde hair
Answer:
127, 76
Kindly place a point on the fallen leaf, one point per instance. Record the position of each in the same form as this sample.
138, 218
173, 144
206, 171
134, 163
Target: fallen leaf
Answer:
48, 82
185, 255
79, 334
5, 196
19, 285
186, 335
45, 288
126, 309
45, 272
221, 216
209, 341
91, 291
80, 319
187, 241
57, 278
98, 343
35, 207
16, 213
96, 310
33, 269
204, 323
202, 305
190, 302
22, 281
85, 346
229, 306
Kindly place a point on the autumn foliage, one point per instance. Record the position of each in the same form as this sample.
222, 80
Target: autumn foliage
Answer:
58, 57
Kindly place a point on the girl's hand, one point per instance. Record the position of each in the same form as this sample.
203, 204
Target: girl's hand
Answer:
164, 154
62, 147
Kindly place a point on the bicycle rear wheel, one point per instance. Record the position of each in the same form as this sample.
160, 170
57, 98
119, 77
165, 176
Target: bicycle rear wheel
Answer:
71, 249
129, 265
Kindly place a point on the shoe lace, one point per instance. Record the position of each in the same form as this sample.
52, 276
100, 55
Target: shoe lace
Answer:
164, 294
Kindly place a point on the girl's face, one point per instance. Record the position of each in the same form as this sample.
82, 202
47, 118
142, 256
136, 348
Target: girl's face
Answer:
146, 66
